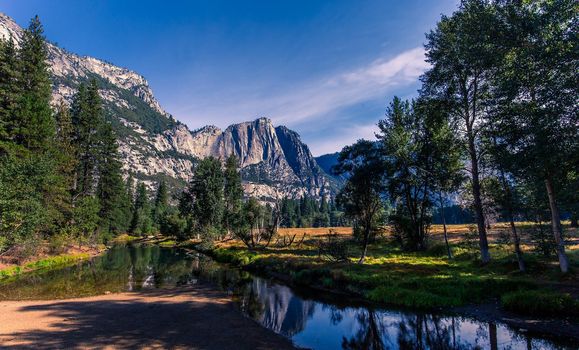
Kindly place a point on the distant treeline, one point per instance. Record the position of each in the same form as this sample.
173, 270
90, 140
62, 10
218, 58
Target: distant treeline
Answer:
309, 212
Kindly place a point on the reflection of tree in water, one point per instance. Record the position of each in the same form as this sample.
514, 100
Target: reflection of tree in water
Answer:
336, 315
120, 269
428, 332
369, 336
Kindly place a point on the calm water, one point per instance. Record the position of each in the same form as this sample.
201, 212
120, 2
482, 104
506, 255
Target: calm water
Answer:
310, 321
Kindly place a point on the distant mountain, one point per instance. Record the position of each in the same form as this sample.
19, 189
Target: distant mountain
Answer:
153, 145
326, 162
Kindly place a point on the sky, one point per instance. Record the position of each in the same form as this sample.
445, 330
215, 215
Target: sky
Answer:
326, 69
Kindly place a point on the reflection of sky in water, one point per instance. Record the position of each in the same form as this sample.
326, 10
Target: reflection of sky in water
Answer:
309, 323
318, 325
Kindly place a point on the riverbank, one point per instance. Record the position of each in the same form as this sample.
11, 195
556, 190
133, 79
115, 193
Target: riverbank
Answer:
45, 261
182, 318
428, 280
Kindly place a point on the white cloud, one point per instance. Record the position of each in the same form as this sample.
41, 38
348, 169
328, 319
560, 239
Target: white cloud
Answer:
314, 102
374, 80
311, 100
340, 138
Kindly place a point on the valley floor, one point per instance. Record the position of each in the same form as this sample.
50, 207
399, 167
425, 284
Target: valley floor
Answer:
197, 317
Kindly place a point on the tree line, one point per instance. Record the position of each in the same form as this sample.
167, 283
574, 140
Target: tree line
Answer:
495, 124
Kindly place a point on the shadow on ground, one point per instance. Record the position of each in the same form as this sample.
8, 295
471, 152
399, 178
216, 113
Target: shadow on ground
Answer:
190, 318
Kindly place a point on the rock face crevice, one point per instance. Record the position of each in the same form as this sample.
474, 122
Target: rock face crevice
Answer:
274, 161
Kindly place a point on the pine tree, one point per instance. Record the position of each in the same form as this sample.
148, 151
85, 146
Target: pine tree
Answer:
233, 191
33, 124
87, 120
110, 189
9, 87
65, 155
202, 201
141, 224
161, 202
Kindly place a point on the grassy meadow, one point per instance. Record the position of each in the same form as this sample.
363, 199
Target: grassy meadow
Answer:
390, 276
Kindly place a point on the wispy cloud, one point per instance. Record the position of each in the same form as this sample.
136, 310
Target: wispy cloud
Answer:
341, 137
319, 98
315, 102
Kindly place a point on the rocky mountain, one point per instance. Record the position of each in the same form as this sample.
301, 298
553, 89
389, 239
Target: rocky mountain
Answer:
274, 161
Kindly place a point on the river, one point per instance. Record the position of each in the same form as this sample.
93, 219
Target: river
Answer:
309, 319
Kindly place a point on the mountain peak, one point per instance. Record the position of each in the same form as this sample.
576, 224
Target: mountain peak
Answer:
274, 161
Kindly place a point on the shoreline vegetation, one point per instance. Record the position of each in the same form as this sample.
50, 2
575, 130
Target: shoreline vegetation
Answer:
419, 280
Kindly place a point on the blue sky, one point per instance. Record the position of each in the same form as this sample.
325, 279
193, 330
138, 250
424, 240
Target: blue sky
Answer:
326, 69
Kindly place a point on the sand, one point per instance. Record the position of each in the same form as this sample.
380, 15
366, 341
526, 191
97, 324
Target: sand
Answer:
197, 317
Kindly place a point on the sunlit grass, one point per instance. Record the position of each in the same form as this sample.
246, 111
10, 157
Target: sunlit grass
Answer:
49, 263
395, 277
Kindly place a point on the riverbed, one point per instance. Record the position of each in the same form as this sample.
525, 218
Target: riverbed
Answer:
308, 319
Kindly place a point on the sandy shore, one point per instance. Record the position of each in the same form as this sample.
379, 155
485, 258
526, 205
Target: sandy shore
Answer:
185, 318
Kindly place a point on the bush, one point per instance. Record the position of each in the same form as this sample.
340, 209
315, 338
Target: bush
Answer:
335, 248
58, 242
540, 303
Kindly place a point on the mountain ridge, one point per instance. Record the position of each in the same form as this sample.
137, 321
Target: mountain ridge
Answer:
274, 162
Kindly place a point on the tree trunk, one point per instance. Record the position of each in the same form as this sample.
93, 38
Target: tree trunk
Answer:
478, 207
448, 251
556, 226
493, 340
365, 247
516, 238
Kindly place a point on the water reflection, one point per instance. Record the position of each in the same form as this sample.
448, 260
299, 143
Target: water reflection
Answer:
310, 321
327, 325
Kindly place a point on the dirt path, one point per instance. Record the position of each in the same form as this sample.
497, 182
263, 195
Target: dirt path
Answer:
186, 318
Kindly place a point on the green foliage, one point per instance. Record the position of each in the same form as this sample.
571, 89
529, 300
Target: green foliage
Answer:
142, 221
86, 219
172, 224
540, 303
202, 202
161, 204
32, 124
232, 192
23, 212
361, 196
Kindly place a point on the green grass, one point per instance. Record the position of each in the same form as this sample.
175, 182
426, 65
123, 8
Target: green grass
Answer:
391, 276
540, 303
46, 264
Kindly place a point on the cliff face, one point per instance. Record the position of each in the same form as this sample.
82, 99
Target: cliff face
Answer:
274, 162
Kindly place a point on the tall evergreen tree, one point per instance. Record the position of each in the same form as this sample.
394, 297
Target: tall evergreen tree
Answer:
33, 123
202, 201
232, 192
110, 190
161, 202
87, 119
142, 223
9, 88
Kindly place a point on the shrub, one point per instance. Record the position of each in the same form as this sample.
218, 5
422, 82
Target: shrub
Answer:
58, 242
540, 303
333, 248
